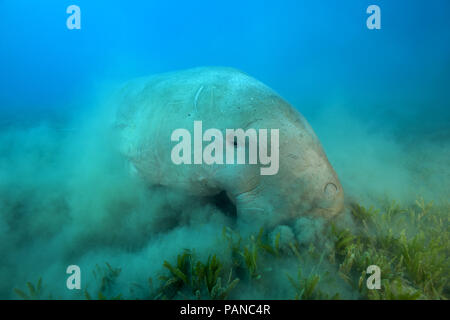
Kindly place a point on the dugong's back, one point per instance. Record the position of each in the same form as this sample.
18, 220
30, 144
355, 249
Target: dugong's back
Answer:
150, 108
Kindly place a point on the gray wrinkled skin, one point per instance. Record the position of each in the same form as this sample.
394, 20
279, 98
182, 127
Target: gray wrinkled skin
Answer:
151, 108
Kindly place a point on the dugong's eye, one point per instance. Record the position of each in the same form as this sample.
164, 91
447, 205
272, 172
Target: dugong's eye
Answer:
232, 141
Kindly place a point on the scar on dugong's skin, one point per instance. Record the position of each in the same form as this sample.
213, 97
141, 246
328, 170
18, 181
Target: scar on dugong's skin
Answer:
151, 108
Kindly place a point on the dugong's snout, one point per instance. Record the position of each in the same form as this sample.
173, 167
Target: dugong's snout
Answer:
331, 203
319, 192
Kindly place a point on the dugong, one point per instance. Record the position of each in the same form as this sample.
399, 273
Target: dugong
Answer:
151, 108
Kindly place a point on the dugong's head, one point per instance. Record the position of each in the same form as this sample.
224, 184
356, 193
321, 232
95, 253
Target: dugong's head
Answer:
309, 183
305, 183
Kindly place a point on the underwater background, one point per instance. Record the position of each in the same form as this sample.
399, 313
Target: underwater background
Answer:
377, 99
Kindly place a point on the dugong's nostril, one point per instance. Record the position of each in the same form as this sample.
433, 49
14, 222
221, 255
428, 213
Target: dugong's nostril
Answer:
330, 190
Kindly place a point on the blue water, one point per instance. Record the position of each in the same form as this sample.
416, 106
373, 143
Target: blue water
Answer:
379, 100
304, 49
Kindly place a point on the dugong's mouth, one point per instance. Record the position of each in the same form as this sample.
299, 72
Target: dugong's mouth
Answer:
329, 212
